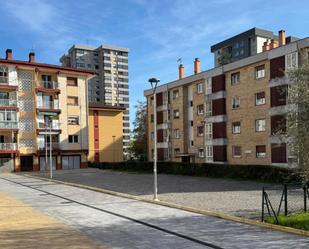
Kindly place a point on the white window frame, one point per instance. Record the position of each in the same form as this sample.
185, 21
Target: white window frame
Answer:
236, 128
197, 131
260, 125
74, 140
235, 78
199, 88
208, 86
209, 153
208, 130
235, 101
176, 133
259, 73
176, 112
175, 94
258, 101
200, 111
201, 153
152, 135
73, 120
208, 108
260, 155
291, 61
233, 151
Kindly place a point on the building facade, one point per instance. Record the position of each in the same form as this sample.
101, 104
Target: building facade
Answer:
105, 133
43, 107
110, 86
228, 114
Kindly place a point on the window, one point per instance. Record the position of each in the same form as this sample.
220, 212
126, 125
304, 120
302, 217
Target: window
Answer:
200, 109
200, 131
73, 120
192, 143
151, 100
151, 118
208, 110
208, 86
3, 74
80, 65
176, 113
235, 78
291, 61
191, 123
200, 152
208, 130
209, 154
260, 125
235, 102
236, 127
176, 133
72, 101
176, 151
73, 139
71, 81
199, 88
175, 94
260, 151
152, 135
191, 103
260, 72
236, 151
260, 98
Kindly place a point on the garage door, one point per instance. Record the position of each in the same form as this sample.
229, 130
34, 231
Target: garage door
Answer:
46, 166
70, 162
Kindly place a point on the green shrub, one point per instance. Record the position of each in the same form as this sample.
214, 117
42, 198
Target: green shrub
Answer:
299, 221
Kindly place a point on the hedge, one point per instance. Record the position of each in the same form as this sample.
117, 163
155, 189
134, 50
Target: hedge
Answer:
264, 173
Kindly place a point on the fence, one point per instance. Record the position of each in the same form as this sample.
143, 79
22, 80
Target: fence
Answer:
292, 199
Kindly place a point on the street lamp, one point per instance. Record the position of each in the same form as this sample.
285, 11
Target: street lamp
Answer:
154, 82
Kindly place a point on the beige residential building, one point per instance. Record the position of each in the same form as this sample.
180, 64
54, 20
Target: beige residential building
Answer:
228, 114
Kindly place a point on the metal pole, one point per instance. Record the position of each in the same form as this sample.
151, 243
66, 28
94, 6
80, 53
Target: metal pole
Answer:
305, 198
263, 205
155, 188
285, 200
50, 151
45, 145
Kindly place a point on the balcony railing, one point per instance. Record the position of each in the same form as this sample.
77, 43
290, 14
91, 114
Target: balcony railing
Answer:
55, 126
8, 146
49, 105
8, 102
48, 84
43, 146
8, 125
7, 81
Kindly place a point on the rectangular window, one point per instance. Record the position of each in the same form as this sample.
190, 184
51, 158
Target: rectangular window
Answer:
176, 113
208, 130
235, 78
71, 81
175, 94
236, 127
260, 98
235, 102
176, 133
72, 101
152, 135
208, 86
199, 88
73, 120
201, 153
291, 61
260, 72
73, 139
151, 101
236, 151
176, 151
200, 131
260, 125
208, 111
260, 151
209, 154
200, 109
151, 118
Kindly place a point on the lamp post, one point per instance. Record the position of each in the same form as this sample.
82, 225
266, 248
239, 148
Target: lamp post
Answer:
154, 82
113, 148
50, 149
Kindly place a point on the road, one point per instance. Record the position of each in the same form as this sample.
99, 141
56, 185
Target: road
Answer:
124, 223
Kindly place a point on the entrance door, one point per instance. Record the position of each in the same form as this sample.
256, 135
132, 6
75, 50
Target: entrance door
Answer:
44, 166
70, 162
26, 163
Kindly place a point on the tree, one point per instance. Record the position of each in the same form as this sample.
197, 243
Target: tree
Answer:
138, 145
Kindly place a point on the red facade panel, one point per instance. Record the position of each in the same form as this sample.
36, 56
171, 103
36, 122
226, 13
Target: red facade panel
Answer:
160, 154
96, 129
277, 67
159, 99
219, 130
278, 153
278, 124
218, 83
219, 153
278, 95
218, 107
160, 117
160, 136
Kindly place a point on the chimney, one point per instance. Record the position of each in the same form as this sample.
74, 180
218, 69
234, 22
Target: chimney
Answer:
32, 57
265, 46
273, 44
197, 66
281, 38
181, 71
9, 55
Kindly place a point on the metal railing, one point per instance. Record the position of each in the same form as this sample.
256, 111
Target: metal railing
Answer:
48, 84
55, 126
49, 105
8, 146
7, 81
8, 125
8, 102
43, 146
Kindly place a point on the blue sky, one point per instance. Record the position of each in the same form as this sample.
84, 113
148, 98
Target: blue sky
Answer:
157, 32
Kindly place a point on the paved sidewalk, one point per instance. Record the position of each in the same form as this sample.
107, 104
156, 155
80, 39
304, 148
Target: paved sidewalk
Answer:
23, 227
123, 223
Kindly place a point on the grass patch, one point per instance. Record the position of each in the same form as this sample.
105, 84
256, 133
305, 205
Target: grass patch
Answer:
300, 221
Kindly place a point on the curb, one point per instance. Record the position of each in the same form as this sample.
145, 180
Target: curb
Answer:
184, 208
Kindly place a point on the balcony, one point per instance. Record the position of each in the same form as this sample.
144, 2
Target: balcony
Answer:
45, 129
49, 108
42, 146
10, 103
8, 147
12, 125
48, 87
8, 84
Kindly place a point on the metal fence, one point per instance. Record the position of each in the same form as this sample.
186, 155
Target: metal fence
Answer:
288, 199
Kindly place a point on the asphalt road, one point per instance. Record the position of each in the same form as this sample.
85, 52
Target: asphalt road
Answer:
123, 223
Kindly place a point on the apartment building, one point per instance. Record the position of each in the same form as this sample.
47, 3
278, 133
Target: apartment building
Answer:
110, 86
228, 114
43, 108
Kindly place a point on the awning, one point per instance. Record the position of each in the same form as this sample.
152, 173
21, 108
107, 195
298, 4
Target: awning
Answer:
49, 113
